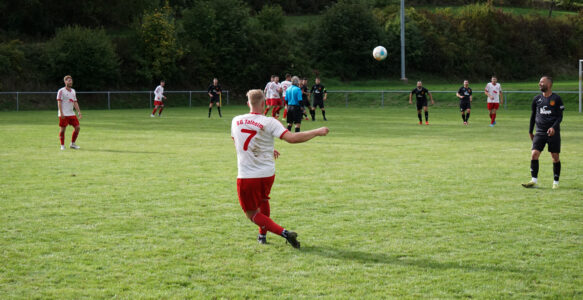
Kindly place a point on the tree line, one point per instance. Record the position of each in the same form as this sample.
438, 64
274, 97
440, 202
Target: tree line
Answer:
188, 42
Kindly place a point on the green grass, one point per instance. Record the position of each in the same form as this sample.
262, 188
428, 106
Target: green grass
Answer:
385, 208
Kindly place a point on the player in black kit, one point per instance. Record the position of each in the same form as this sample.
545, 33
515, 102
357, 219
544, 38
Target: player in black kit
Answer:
214, 92
306, 96
320, 95
547, 114
421, 95
465, 95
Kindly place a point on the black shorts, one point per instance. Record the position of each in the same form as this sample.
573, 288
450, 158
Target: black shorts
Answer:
294, 114
318, 103
421, 103
465, 105
541, 139
306, 103
215, 100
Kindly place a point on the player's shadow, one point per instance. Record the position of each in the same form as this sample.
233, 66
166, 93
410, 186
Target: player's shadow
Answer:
121, 151
401, 260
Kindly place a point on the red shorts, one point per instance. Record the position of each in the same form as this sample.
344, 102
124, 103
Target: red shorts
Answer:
276, 102
270, 101
252, 191
493, 106
158, 103
69, 120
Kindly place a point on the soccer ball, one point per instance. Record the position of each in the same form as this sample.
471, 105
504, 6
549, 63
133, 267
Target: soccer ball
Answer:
379, 53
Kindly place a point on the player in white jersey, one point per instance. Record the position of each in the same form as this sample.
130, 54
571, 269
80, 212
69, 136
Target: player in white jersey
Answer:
254, 134
284, 85
494, 94
272, 94
67, 104
159, 99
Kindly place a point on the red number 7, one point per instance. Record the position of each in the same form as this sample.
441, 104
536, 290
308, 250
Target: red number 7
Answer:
251, 133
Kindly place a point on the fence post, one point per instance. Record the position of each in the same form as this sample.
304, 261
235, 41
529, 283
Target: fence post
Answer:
150, 100
17, 101
382, 99
505, 100
346, 98
190, 99
109, 100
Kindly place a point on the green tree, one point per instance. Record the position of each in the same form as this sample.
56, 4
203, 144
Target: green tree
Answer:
86, 54
159, 40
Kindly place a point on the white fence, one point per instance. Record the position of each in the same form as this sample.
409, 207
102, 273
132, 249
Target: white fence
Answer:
336, 98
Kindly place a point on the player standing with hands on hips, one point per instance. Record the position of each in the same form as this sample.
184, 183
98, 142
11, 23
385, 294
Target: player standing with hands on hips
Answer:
465, 95
67, 101
421, 95
547, 114
253, 134
214, 92
159, 99
494, 93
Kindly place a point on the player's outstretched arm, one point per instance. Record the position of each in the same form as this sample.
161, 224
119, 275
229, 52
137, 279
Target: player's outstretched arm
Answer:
300, 137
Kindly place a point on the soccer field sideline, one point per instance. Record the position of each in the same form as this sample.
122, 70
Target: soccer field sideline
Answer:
147, 209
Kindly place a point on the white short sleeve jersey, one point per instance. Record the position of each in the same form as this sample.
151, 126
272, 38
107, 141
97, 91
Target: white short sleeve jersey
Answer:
253, 135
271, 89
284, 86
159, 93
494, 90
67, 97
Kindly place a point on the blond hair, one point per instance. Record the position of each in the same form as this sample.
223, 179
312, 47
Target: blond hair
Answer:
255, 97
67, 77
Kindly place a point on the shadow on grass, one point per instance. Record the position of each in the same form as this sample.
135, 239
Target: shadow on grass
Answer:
402, 260
122, 151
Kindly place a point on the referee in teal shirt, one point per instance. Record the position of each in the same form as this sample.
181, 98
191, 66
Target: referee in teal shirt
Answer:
293, 96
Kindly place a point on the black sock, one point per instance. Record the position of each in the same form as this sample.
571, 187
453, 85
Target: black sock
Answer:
557, 170
210, 108
419, 116
463, 117
534, 168
467, 116
289, 127
324, 114
297, 129
426, 116
219, 109
313, 114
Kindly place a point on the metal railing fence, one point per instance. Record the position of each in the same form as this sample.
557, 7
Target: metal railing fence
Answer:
336, 98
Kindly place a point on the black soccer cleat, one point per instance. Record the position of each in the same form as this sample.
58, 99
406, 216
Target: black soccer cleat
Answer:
292, 238
262, 239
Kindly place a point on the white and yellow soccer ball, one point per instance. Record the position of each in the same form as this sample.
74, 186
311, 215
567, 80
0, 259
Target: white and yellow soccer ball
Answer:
379, 53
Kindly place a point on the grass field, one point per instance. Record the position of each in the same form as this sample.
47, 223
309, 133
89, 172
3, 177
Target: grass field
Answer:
385, 208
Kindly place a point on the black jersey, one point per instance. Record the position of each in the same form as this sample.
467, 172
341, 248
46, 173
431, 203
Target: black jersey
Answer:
465, 93
421, 94
214, 90
304, 92
318, 90
546, 113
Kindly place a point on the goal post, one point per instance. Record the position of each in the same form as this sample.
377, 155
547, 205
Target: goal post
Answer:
580, 79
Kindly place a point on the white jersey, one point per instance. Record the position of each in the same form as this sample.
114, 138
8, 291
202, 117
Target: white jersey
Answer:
253, 135
159, 93
493, 90
67, 97
271, 89
284, 86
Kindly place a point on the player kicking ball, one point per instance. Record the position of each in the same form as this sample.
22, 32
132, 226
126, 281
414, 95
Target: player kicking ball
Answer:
67, 103
547, 114
254, 134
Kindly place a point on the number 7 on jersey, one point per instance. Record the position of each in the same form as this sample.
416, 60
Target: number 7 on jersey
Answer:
251, 133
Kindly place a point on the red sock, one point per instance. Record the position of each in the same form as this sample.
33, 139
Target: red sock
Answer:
493, 118
265, 112
275, 111
285, 112
74, 137
154, 111
264, 209
264, 221
161, 109
62, 137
